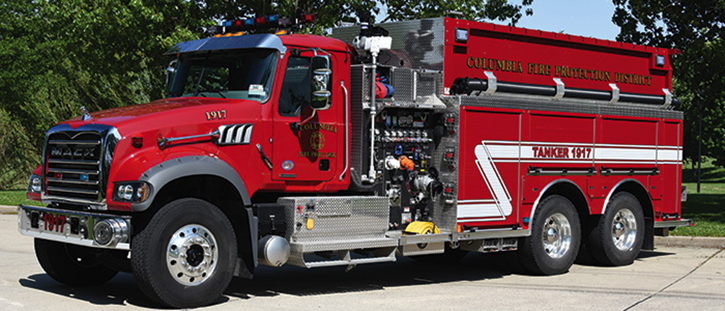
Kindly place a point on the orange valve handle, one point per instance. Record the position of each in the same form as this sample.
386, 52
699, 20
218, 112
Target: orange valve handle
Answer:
406, 163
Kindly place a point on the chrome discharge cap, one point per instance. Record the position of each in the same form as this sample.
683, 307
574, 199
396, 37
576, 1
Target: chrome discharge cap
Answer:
110, 232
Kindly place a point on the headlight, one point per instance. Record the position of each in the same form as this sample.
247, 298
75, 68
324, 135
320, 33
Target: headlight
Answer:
126, 193
131, 191
34, 184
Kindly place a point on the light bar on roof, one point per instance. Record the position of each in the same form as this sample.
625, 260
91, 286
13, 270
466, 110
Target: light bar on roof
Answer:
262, 22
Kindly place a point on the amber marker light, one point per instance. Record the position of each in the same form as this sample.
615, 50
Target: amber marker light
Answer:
137, 142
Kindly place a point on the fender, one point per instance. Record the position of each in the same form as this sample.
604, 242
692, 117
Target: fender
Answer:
545, 190
165, 172
616, 187
170, 170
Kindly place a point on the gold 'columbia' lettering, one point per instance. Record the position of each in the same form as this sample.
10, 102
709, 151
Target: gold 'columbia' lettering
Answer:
494, 64
319, 126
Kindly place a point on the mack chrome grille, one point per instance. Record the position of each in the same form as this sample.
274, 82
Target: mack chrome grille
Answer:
73, 165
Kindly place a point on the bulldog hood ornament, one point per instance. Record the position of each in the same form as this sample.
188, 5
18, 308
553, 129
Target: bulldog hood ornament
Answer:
86, 115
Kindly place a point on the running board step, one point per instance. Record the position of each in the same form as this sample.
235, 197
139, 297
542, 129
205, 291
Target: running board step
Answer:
491, 245
342, 258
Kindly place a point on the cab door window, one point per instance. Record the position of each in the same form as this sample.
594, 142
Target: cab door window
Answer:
295, 92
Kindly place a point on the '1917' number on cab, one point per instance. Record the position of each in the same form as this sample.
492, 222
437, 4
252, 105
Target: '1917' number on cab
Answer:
216, 115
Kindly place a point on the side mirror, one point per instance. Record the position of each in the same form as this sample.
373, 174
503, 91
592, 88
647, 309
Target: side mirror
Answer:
320, 83
170, 71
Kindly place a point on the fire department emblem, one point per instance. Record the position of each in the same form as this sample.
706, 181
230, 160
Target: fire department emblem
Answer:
317, 140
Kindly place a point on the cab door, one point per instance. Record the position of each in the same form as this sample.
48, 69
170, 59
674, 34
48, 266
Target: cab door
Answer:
305, 141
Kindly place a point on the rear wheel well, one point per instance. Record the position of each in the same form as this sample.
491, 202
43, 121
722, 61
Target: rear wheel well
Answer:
215, 190
572, 192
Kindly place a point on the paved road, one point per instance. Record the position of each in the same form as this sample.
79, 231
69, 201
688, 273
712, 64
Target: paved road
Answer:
666, 279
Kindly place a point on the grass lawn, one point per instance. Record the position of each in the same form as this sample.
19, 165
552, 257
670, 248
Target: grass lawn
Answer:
15, 197
706, 208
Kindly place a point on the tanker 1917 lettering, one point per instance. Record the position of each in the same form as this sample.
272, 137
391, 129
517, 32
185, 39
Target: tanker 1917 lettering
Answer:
561, 152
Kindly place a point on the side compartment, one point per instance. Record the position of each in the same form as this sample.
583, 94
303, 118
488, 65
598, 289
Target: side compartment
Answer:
333, 231
489, 184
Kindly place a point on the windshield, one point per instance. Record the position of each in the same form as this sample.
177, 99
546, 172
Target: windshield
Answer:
238, 74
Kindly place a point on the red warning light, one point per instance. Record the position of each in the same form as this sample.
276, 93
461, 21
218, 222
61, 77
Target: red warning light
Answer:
308, 18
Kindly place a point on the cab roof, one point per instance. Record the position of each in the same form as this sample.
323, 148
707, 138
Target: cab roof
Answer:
259, 41
305, 40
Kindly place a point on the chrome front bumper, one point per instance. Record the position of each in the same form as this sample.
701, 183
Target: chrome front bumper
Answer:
76, 227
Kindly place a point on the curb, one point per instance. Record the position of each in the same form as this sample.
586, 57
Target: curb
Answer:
5, 209
689, 241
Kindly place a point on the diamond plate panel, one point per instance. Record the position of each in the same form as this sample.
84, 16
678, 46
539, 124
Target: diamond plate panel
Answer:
403, 80
427, 84
369, 243
357, 116
445, 214
336, 219
417, 44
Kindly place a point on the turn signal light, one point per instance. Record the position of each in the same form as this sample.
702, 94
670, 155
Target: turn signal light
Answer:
137, 142
137, 191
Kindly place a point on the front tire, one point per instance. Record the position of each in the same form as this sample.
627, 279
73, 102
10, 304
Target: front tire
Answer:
617, 238
555, 236
72, 264
186, 254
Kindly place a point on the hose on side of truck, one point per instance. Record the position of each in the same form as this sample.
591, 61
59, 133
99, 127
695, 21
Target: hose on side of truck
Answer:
421, 227
475, 86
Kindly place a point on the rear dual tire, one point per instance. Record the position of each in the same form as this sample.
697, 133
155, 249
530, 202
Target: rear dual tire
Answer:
555, 237
617, 238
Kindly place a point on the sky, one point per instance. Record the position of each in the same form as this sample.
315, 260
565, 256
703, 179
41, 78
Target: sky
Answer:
588, 18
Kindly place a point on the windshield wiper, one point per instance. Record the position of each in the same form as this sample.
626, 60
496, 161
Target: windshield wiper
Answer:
198, 82
201, 75
220, 93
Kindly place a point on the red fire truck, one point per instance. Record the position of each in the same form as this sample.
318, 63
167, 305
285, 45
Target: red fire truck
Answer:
434, 136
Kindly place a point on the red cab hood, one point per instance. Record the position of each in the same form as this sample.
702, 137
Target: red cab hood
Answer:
166, 112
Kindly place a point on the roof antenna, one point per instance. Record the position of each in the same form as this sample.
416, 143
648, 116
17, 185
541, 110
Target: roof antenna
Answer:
454, 14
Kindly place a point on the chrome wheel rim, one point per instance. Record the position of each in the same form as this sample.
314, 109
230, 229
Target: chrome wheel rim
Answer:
556, 235
624, 229
192, 255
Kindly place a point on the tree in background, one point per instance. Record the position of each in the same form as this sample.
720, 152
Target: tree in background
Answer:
696, 28
59, 55
496, 10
